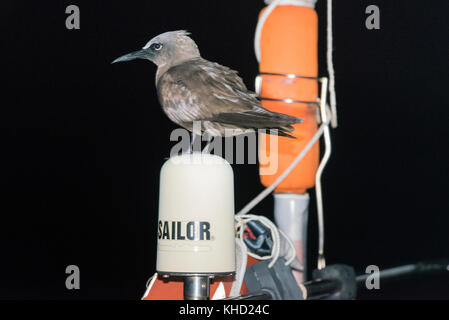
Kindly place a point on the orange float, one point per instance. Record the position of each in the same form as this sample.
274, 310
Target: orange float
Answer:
288, 70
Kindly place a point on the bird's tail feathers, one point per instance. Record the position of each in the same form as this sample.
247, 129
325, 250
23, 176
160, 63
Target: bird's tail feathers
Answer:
282, 131
285, 118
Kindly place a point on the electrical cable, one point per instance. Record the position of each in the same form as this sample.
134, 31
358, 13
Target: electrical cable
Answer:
408, 270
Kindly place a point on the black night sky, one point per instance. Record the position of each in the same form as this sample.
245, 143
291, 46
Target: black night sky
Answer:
83, 140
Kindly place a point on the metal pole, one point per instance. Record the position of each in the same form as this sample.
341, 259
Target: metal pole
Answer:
196, 288
291, 216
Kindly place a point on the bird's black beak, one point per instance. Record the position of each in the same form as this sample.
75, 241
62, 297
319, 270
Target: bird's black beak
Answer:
140, 54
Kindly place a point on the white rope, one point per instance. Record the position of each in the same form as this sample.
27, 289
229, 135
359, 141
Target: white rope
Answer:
293, 251
286, 172
260, 24
332, 117
149, 285
276, 234
271, 5
241, 262
330, 66
326, 117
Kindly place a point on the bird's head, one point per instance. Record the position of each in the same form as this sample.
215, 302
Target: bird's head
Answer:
166, 49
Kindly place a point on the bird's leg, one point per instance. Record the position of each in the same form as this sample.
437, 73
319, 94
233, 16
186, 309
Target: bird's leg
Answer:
209, 140
192, 143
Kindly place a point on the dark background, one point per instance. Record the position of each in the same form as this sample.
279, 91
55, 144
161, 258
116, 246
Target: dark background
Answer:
83, 140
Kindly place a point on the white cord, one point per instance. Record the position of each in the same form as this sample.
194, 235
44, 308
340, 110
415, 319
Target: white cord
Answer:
260, 24
325, 118
276, 234
244, 219
324, 128
330, 66
149, 285
242, 259
286, 172
293, 251
267, 12
327, 140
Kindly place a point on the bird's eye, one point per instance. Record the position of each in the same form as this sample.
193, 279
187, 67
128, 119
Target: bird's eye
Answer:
156, 46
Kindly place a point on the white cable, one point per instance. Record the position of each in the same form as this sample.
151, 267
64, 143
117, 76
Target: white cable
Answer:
149, 285
243, 219
241, 267
260, 24
327, 140
275, 235
271, 5
319, 198
330, 66
286, 172
325, 118
290, 243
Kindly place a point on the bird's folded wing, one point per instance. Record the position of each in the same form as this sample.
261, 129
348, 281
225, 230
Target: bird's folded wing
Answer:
203, 90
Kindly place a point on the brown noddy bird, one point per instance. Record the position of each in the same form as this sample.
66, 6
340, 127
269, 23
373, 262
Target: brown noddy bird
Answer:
191, 88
